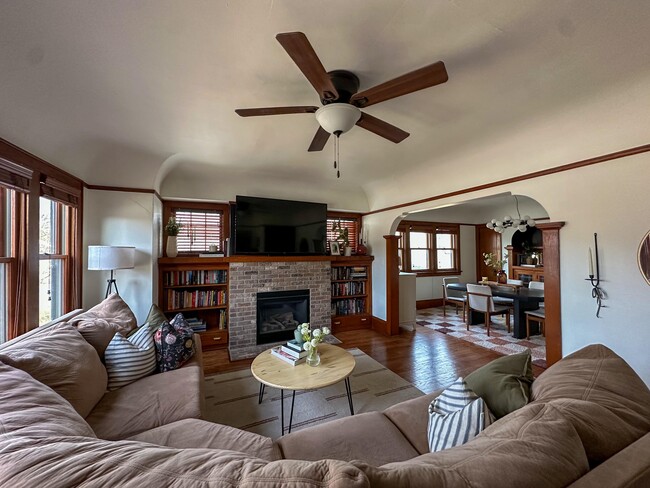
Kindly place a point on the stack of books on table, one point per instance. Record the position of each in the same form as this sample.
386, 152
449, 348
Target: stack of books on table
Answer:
291, 353
196, 324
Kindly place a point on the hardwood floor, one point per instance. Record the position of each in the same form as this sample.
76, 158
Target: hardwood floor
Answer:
426, 358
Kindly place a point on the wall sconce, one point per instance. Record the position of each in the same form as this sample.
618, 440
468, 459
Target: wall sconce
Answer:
596, 292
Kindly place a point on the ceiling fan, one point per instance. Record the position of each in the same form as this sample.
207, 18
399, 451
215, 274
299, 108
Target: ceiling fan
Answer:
340, 95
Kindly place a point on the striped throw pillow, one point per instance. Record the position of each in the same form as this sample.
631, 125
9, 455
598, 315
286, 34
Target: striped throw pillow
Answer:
129, 359
456, 417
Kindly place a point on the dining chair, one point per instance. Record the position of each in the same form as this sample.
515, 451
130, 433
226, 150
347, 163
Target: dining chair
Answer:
454, 296
538, 316
515, 282
536, 285
479, 298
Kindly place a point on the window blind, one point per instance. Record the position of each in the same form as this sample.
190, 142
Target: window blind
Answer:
14, 176
352, 224
200, 229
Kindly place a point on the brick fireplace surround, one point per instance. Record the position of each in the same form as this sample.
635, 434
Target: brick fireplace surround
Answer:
249, 278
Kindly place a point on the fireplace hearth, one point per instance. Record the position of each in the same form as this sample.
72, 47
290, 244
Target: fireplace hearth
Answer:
279, 313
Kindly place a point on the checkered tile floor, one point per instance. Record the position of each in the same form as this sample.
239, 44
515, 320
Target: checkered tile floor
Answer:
499, 340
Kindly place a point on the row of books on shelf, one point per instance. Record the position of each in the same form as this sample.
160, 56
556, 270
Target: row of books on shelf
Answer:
349, 306
195, 299
291, 352
349, 288
195, 277
349, 272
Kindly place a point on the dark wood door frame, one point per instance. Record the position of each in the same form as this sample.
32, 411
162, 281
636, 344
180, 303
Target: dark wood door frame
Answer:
551, 243
552, 302
392, 285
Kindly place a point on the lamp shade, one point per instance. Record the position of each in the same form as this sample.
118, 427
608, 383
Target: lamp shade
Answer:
111, 257
338, 117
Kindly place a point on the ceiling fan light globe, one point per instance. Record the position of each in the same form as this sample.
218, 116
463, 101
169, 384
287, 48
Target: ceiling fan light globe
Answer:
338, 117
531, 222
507, 218
522, 228
525, 218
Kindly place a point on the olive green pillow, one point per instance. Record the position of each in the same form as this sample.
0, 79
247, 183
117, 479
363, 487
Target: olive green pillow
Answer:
156, 317
504, 383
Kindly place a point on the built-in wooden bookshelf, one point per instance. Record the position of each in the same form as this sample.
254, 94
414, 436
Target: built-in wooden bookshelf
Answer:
198, 289
351, 281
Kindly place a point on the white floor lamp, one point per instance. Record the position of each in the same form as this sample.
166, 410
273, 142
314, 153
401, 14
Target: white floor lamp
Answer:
104, 258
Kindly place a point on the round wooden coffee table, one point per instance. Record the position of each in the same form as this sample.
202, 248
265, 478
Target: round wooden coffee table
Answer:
336, 364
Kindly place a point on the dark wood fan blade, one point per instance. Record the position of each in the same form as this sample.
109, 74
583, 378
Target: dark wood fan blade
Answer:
431, 75
298, 47
253, 112
319, 140
381, 128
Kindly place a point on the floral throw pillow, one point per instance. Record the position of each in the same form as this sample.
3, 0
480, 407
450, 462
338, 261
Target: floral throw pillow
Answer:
174, 344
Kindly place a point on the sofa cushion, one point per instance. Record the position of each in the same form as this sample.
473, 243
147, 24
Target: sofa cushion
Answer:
155, 317
99, 324
411, 418
370, 437
611, 404
174, 344
456, 416
28, 408
504, 383
533, 447
129, 359
150, 402
193, 433
97, 463
60, 358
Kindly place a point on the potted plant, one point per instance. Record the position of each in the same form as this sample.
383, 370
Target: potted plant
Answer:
343, 237
492, 260
172, 228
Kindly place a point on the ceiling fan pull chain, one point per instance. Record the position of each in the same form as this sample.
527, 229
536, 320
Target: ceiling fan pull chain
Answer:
338, 156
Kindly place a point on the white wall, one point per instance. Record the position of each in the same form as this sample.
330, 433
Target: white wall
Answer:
124, 219
608, 198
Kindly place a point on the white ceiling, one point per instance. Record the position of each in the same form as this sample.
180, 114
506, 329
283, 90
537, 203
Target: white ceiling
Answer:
126, 92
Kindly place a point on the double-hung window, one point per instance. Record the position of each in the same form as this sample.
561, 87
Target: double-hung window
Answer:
429, 248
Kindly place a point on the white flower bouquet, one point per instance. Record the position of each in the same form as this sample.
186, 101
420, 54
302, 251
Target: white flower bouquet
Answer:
312, 338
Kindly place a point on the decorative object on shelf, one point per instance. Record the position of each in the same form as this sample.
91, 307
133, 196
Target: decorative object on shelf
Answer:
172, 228
521, 223
104, 258
312, 338
596, 292
644, 257
335, 250
343, 237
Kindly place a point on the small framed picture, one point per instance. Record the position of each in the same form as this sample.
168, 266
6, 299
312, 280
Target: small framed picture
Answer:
335, 250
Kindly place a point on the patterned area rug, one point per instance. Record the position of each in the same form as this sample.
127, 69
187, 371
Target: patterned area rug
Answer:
231, 398
500, 340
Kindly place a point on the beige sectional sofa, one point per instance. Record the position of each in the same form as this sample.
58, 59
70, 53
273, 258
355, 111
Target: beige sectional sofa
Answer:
588, 424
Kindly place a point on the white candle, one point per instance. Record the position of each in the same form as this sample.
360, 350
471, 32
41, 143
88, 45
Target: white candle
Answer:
591, 264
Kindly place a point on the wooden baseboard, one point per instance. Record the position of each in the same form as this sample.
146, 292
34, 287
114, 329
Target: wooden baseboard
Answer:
434, 302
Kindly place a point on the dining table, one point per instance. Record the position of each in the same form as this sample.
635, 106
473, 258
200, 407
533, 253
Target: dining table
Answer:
523, 299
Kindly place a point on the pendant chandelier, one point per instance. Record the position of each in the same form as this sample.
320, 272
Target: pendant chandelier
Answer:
521, 223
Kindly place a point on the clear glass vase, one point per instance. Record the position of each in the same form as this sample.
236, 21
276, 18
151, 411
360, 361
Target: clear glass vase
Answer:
313, 358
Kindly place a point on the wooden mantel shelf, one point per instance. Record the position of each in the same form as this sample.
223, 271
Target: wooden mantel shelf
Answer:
263, 259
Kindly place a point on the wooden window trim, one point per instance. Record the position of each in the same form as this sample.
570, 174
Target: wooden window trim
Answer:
432, 229
170, 206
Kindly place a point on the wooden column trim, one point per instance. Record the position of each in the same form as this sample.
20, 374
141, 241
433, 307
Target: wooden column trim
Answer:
392, 285
552, 302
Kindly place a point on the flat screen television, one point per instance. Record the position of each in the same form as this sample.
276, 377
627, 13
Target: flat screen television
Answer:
279, 227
